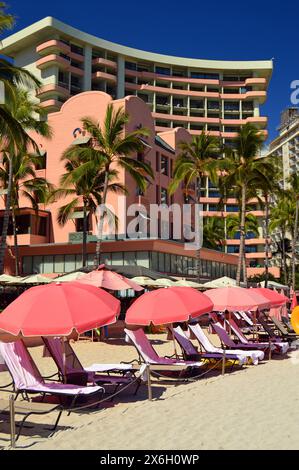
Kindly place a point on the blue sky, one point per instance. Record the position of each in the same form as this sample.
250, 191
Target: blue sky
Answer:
228, 30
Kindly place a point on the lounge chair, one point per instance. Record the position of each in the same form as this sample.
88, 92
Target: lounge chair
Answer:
73, 369
285, 334
237, 354
28, 380
148, 355
287, 323
245, 344
26, 409
279, 346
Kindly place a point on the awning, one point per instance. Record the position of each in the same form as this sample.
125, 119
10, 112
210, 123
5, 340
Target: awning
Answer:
78, 215
81, 140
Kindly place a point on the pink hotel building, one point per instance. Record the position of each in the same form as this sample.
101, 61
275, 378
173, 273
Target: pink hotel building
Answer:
174, 97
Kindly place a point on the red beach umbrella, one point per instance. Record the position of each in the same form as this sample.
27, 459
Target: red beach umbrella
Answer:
107, 279
237, 298
170, 305
58, 310
276, 299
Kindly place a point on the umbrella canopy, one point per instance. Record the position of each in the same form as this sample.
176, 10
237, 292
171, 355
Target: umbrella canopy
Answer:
34, 279
237, 298
276, 299
8, 278
143, 281
164, 283
70, 277
162, 306
221, 282
274, 284
185, 283
107, 279
58, 310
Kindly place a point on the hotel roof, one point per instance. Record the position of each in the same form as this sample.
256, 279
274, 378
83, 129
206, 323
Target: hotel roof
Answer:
41, 30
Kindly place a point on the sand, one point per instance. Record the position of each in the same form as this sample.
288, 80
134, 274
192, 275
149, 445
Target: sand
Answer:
253, 408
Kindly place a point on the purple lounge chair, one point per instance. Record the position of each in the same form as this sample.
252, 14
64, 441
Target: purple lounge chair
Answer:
148, 355
28, 380
279, 347
241, 355
74, 369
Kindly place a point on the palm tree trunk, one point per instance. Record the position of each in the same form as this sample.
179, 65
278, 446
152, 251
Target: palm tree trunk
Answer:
97, 258
242, 259
267, 240
84, 242
198, 253
294, 241
15, 236
6, 218
284, 260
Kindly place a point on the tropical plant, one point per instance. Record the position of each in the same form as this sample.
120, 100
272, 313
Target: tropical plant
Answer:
84, 189
241, 165
196, 160
110, 147
19, 163
282, 222
294, 186
213, 233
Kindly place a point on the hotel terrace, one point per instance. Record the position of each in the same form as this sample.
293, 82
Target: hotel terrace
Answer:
173, 96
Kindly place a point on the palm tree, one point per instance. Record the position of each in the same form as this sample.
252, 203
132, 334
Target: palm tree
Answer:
24, 184
110, 147
29, 116
294, 183
282, 222
266, 183
196, 160
12, 78
84, 188
213, 233
241, 165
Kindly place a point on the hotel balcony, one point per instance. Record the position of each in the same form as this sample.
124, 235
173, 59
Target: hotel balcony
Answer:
53, 46
51, 105
53, 90
53, 60
104, 63
260, 82
104, 76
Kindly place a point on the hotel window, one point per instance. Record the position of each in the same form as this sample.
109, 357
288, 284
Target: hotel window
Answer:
129, 258
69, 263
213, 105
157, 162
48, 263
77, 49
162, 100
130, 65
162, 70
164, 165
157, 194
207, 76
27, 264
105, 258
161, 262
171, 168
117, 259
79, 261
231, 106
167, 267
154, 260
142, 259
230, 208
59, 264
197, 104
164, 196
251, 249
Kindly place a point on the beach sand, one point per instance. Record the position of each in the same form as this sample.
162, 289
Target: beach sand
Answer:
252, 408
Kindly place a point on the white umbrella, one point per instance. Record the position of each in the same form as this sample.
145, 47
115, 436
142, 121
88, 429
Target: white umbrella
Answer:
34, 279
8, 278
143, 281
185, 283
164, 283
70, 277
221, 282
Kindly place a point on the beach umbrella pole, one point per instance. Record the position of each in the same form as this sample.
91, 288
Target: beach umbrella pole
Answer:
223, 362
12, 421
149, 383
173, 339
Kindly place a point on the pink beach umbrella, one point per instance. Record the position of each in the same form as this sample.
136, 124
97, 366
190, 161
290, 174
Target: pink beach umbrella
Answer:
276, 299
237, 298
165, 306
107, 279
